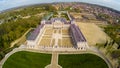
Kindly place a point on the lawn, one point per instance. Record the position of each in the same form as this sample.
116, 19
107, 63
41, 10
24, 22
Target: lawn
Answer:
93, 33
81, 61
25, 59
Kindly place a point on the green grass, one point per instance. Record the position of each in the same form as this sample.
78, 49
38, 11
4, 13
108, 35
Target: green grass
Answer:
25, 59
81, 61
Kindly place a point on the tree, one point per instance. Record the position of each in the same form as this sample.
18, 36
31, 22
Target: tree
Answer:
115, 54
118, 47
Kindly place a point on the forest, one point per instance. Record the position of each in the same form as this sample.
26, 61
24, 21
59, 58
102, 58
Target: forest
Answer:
14, 23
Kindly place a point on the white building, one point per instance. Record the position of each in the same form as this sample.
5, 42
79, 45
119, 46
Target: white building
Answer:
78, 38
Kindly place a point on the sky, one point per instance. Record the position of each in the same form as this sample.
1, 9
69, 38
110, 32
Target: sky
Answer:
7, 4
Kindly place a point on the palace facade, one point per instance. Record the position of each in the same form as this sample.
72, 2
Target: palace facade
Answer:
78, 39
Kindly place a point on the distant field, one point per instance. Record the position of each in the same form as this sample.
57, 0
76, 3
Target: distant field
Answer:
93, 33
25, 59
81, 61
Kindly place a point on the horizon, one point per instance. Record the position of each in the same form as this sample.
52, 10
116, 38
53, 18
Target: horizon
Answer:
16, 3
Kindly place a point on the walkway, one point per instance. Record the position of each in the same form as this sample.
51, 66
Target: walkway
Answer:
54, 61
56, 36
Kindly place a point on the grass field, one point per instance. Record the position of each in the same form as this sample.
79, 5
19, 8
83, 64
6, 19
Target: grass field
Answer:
81, 61
25, 59
93, 33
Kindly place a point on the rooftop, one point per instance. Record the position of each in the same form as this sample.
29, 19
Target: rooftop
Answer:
77, 34
34, 34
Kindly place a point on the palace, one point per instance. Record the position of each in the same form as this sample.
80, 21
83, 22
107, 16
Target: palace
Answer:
57, 33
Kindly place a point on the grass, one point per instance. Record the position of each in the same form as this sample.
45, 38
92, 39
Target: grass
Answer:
25, 59
67, 42
48, 31
65, 32
44, 43
93, 33
81, 61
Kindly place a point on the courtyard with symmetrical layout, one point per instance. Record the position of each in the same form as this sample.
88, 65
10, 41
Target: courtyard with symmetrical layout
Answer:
57, 33
52, 37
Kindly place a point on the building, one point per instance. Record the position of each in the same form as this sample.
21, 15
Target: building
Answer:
78, 38
35, 36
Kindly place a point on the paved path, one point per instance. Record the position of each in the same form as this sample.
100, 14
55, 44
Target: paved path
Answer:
100, 54
54, 60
